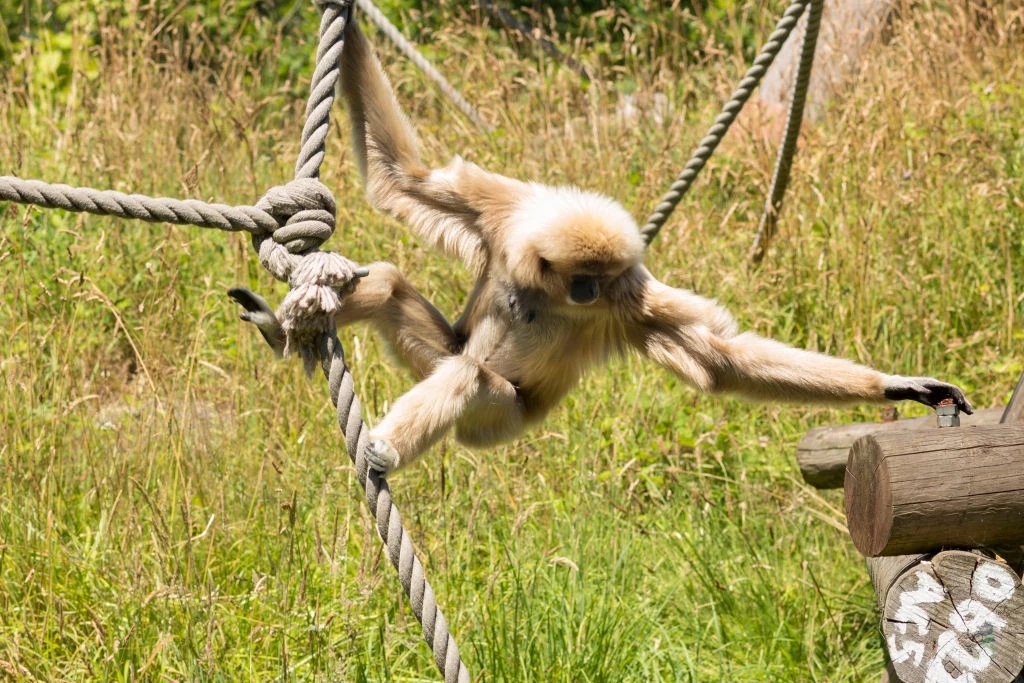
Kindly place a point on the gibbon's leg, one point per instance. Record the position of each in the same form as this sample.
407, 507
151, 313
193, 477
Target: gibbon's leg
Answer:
688, 335
420, 416
415, 331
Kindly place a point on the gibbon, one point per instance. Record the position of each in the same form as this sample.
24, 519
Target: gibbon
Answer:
560, 288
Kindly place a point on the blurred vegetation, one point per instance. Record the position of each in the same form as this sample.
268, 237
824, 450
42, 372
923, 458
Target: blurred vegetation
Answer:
46, 39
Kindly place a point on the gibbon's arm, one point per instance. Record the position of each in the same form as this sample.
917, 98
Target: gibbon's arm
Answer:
692, 337
449, 207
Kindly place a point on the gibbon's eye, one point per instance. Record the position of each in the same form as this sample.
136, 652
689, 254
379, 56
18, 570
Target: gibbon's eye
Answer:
544, 265
583, 289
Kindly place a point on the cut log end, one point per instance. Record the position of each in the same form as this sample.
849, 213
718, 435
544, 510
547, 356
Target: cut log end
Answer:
959, 617
868, 512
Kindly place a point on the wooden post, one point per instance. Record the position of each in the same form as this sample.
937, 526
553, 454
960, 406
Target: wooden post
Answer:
822, 453
849, 28
1014, 413
921, 491
956, 617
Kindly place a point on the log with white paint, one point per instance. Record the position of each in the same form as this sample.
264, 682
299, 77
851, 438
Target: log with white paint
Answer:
958, 617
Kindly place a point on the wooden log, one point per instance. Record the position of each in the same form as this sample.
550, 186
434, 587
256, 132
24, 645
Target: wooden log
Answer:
1014, 413
822, 453
956, 617
921, 491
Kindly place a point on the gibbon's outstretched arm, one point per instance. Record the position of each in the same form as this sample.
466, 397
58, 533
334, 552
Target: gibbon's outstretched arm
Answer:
451, 207
712, 357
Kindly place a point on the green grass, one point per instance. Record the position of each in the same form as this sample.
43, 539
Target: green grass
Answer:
174, 505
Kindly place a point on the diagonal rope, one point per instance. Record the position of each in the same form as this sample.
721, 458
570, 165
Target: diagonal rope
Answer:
670, 199
795, 117
413, 55
288, 225
389, 522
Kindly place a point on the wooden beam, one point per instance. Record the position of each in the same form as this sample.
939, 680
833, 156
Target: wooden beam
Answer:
921, 491
956, 617
822, 453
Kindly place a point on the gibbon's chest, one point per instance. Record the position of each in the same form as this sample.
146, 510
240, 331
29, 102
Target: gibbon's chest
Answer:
516, 333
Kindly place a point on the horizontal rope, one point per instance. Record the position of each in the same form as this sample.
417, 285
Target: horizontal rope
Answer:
152, 209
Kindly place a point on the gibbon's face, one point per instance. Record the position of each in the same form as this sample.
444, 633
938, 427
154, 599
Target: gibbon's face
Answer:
571, 243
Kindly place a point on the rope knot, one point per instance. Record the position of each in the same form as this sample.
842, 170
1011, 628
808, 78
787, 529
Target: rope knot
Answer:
304, 209
318, 283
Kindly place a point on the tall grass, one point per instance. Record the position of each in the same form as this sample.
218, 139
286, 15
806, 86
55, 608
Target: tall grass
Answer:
176, 506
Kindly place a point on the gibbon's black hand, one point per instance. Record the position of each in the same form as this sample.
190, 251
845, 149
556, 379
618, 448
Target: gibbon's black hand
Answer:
926, 390
259, 313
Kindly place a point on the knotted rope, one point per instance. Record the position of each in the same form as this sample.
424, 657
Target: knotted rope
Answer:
288, 226
750, 81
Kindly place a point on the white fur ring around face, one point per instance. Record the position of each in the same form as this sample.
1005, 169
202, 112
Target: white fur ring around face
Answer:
381, 456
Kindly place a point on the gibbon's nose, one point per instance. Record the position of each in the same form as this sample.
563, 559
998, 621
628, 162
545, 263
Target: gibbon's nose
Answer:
583, 289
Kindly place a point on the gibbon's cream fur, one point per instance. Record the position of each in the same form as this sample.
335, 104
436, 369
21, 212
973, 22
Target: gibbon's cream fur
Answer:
560, 288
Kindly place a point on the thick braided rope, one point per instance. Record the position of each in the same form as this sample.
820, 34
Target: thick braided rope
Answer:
412, 54
141, 207
751, 79
795, 117
389, 523
339, 379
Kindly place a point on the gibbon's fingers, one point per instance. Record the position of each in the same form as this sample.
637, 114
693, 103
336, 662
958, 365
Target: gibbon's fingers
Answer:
931, 392
381, 456
259, 313
448, 207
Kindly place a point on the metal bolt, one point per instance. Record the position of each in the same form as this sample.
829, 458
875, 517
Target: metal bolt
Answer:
948, 414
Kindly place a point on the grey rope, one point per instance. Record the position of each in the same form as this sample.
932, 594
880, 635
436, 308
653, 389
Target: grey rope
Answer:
510, 22
795, 117
288, 225
413, 55
389, 522
670, 200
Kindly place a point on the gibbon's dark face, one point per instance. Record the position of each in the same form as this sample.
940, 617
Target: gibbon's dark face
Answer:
584, 289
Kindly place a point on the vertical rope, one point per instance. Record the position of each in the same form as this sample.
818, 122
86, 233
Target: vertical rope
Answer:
336, 15
671, 199
389, 521
784, 163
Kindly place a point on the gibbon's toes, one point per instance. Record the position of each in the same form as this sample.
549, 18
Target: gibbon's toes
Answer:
259, 313
381, 456
931, 392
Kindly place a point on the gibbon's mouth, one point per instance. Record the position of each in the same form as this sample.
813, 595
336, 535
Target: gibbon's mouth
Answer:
583, 290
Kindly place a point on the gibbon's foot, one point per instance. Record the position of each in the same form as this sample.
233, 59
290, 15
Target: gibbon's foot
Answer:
381, 456
927, 391
259, 313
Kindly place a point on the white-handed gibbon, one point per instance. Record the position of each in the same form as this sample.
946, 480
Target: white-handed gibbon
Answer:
560, 288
